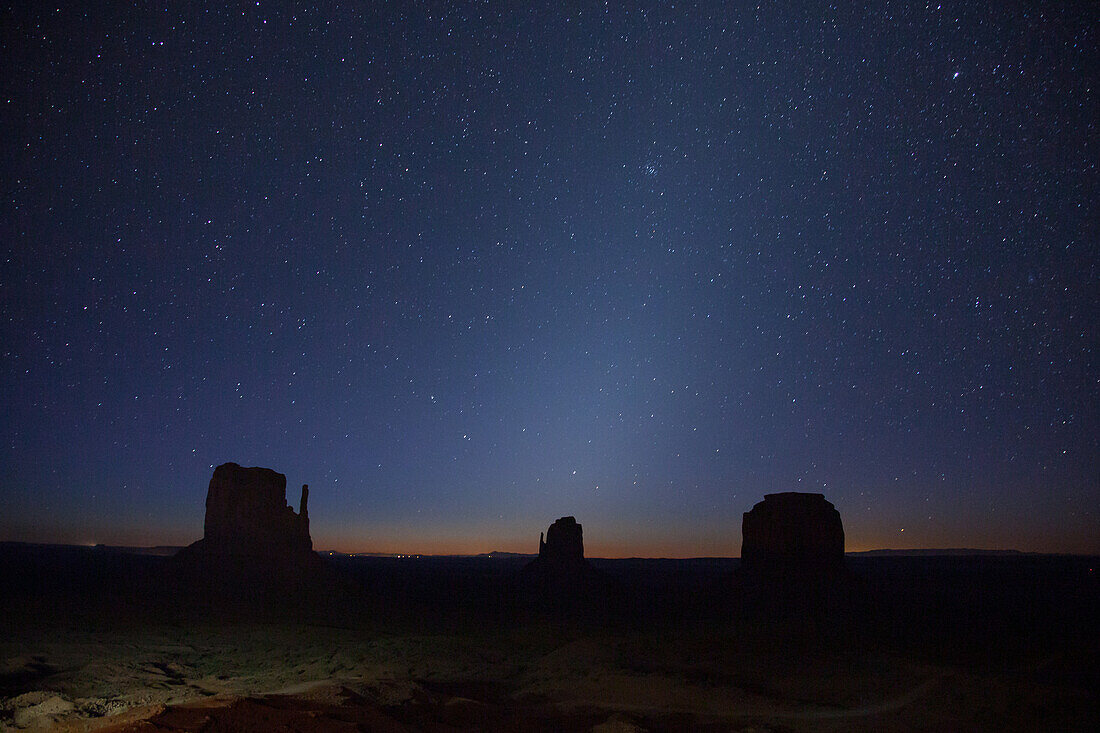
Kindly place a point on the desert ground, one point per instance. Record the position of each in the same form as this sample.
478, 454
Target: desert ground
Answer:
95, 640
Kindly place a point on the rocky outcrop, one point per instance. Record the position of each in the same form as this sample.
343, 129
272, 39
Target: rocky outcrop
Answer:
256, 552
792, 563
560, 581
792, 532
247, 514
563, 545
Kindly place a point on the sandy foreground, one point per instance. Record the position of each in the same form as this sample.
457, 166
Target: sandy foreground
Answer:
259, 676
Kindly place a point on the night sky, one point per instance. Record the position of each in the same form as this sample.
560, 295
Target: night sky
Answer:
466, 268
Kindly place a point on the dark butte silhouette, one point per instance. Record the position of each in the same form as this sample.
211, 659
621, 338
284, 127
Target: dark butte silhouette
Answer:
247, 514
792, 559
255, 549
792, 531
561, 580
564, 544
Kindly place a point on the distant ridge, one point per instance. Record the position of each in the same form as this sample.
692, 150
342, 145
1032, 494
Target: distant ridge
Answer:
956, 551
493, 555
159, 550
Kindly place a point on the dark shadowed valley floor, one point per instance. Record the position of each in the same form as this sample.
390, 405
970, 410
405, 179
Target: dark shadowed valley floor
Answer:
95, 639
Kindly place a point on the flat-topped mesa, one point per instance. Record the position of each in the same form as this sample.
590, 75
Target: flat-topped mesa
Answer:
564, 543
247, 514
792, 531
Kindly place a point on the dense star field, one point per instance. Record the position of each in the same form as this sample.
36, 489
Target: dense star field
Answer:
468, 267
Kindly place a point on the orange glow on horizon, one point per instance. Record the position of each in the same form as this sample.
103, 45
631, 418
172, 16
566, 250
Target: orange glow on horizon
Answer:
400, 543
600, 541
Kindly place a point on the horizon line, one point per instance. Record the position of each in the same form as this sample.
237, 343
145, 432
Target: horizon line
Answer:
375, 553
